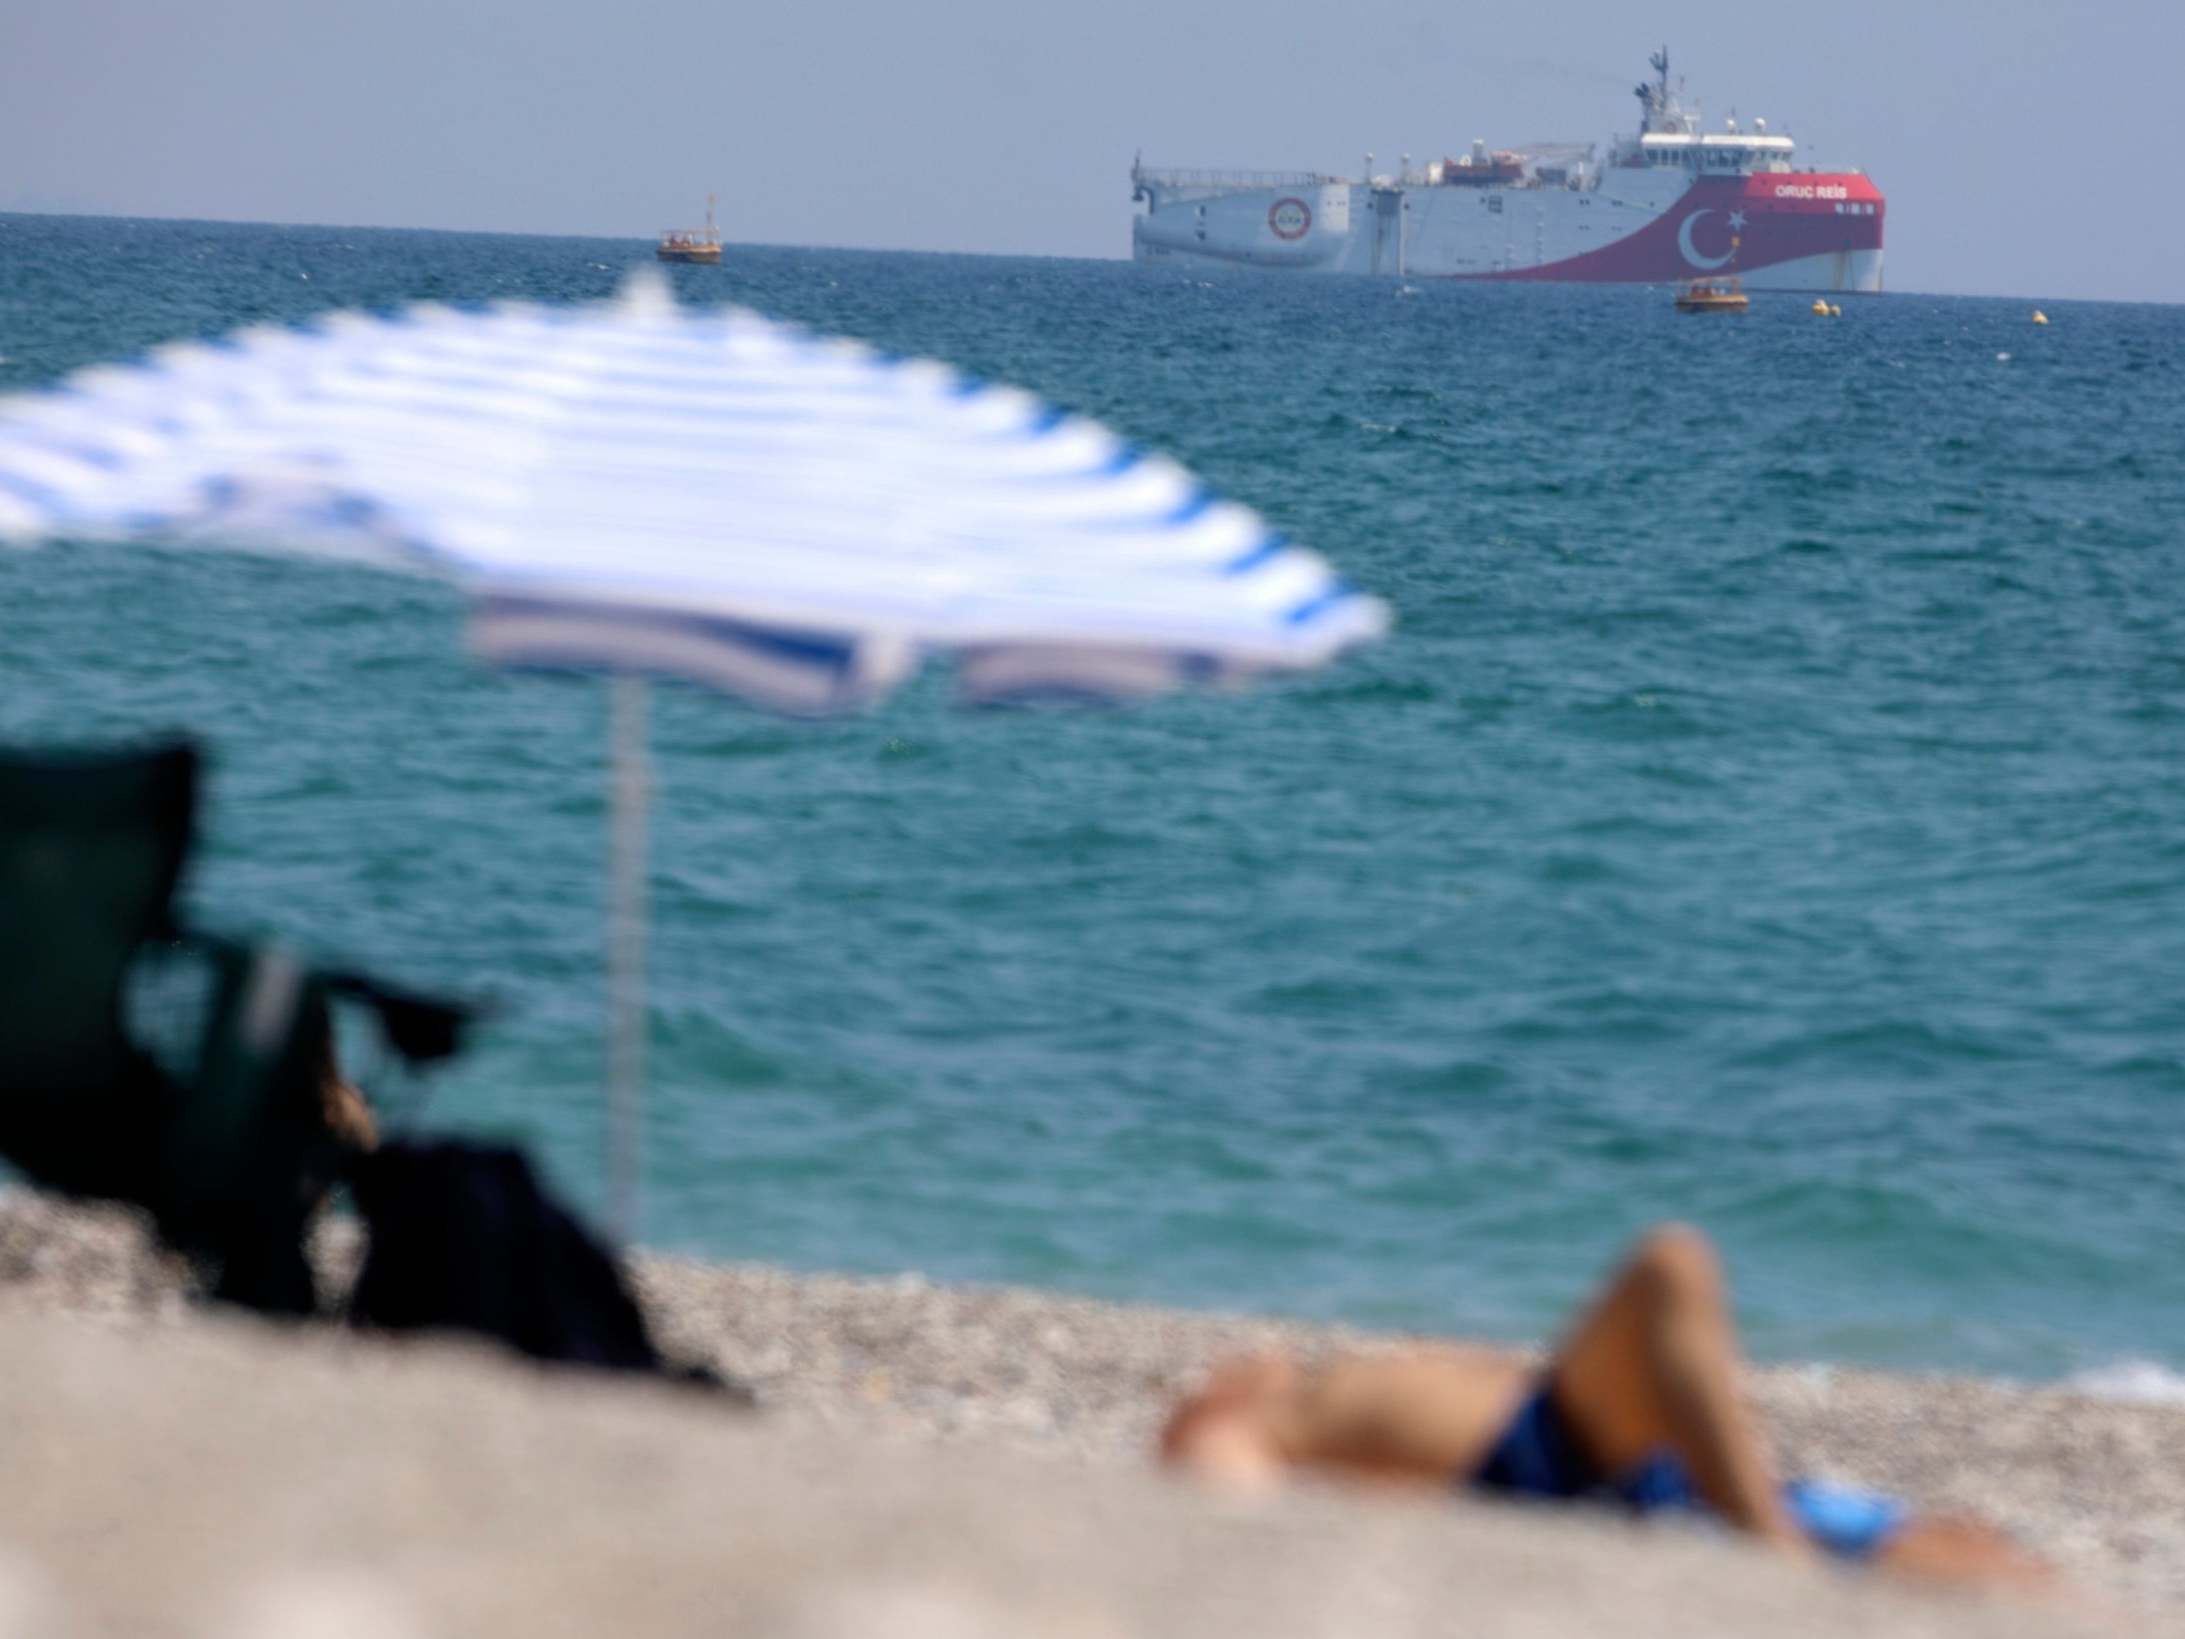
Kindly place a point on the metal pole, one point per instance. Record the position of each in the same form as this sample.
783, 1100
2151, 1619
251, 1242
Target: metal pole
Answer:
626, 953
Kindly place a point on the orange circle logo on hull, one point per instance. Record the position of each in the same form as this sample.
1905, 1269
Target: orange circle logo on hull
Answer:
1289, 219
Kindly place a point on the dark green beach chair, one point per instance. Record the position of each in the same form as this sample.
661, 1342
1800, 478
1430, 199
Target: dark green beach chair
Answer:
210, 1116
91, 853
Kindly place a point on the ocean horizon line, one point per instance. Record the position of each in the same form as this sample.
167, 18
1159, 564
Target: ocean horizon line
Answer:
1429, 280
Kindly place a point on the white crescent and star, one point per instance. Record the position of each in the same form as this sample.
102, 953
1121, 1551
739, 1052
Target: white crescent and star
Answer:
1691, 253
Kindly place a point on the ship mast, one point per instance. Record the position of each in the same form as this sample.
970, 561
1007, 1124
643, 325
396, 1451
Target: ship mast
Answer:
1659, 107
1654, 99
710, 234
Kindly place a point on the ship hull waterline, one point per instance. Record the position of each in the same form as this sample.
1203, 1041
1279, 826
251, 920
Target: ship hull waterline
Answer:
1793, 230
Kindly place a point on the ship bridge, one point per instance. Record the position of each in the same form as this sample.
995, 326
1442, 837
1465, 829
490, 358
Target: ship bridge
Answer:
1669, 135
1717, 153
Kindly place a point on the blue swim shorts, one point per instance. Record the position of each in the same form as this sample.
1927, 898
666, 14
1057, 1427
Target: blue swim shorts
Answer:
1539, 1456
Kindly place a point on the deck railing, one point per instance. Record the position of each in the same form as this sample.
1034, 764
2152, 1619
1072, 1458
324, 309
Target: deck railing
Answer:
1168, 177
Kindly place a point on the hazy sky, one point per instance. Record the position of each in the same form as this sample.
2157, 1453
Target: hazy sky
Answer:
2024, 145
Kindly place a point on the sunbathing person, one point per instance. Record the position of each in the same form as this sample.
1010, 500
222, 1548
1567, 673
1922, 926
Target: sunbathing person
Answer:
343, 1110
312, 1131
1638, 1407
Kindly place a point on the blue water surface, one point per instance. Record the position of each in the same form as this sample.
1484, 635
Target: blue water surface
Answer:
1769, 810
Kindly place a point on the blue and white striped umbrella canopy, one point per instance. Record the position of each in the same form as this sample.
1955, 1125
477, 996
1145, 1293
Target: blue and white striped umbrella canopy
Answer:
629, 487
709, 494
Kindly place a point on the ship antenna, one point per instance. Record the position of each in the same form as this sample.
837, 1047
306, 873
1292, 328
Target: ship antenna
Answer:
1654, 99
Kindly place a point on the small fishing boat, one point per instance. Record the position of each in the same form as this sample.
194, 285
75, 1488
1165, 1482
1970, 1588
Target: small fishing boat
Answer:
1712, 296
691, 244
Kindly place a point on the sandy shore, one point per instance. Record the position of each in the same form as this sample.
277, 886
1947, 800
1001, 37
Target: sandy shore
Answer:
928, 1461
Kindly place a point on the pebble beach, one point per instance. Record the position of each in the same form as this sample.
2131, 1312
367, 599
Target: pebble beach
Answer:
925, 1459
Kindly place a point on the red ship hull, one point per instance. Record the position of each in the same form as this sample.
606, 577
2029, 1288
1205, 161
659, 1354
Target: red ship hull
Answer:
1774, 218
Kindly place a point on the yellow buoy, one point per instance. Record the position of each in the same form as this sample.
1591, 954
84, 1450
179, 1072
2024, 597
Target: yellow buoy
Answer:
1820, 307
2039, 317
1834, 311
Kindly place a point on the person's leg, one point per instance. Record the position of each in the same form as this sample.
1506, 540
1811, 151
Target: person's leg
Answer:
1229, 1432
1652, 1366
1421, 1417
1962, 1550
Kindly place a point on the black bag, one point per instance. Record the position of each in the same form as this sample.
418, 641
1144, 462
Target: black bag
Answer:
464, 1239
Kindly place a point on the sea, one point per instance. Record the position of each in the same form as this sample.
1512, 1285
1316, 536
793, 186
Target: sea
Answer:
1768, 811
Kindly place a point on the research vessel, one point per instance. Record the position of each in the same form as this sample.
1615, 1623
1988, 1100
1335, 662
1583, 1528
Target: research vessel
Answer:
1669, 202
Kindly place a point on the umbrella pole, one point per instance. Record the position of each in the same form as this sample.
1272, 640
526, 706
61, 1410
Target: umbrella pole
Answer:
626, 952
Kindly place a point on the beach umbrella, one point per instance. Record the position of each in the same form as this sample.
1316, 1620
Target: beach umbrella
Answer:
640, 489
